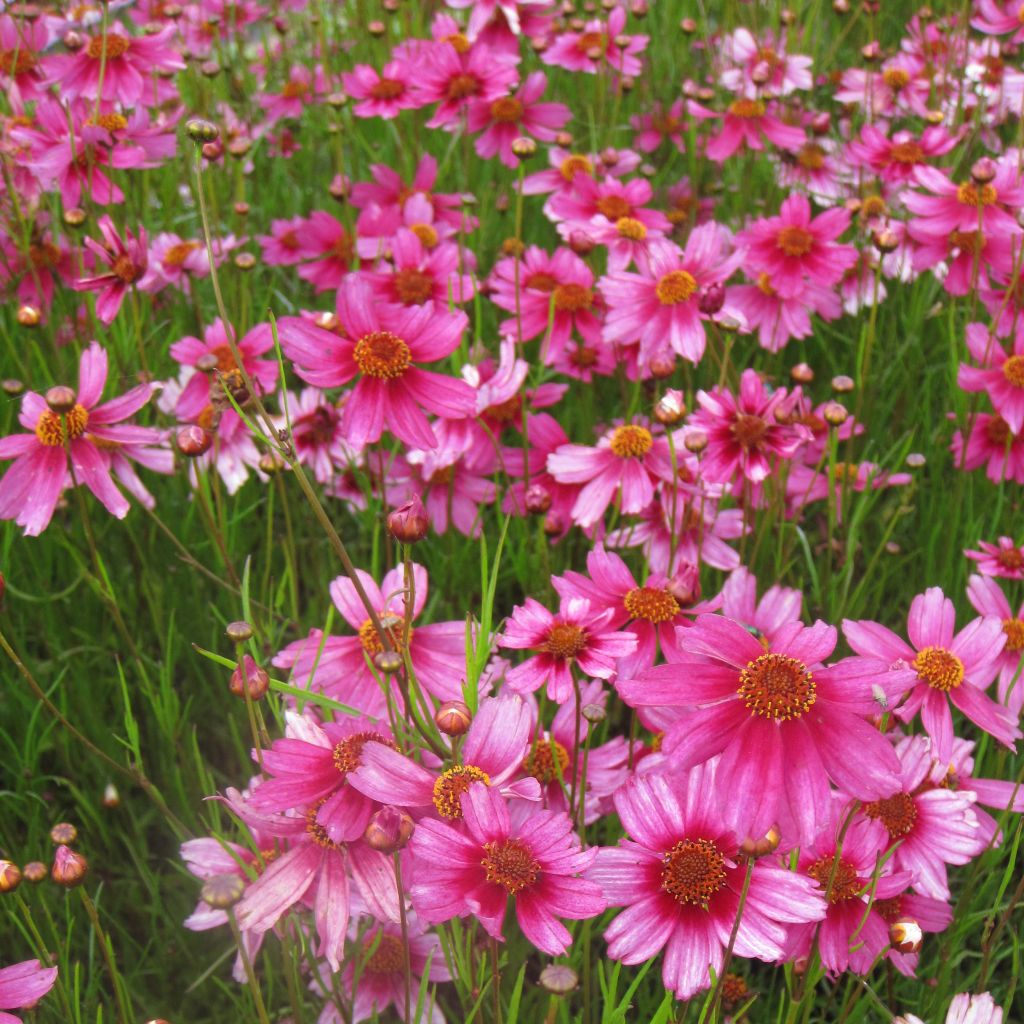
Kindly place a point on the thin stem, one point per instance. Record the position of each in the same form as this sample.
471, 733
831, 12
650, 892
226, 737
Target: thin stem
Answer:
250, 975
123, 1013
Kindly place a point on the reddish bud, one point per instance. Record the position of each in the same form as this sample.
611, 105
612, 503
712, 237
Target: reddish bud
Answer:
238, 632
69, 868
409, 523
34, 871
249, 676
537, 499
684, 586
802, 373
10, 876
696, 441
906, 935
63, 833
60, 399
983, 170
712, 299
768, 843
670, 408
663, 366
453, 718
390, 829
193, 441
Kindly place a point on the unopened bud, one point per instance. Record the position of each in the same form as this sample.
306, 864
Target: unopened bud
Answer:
326, 321
28, 316
842, 384
983, 170
12, 386
222, 891
73, 40
60, 399
524, 147
688, 25
388, 662
670, 408
212, 150
537, 499
270, 462
193, 440
594, 713
712, 299
376, 28
581, 243
200, 130
906, 935
453, 718
768, 843
696, 441
409, 523
249, 677
559, 979
239, 632
10, 876
34, 871
209, 69
684, 586
74, 217
242, 209
63, 833
245, 261
885, 241
554, 524
389, 830
69, 868
835, 414
915, 460
663, 366
111, 797
802, 373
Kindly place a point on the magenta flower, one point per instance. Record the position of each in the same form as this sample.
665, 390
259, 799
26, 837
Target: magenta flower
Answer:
792, 246
893, 159
1004, 560
744, 124
578, 635
776, 610
989, 600
967, 207
1000, 376
454, 80
420, 274
599, 44
679, 876
777, 318
316, 434
473, 872
325, 239
383, 93
783, 723
127, 261
23, 985
380, 345
938, 669
31, 487
993, 445
288, 242
659, 307
744, 432
21, 44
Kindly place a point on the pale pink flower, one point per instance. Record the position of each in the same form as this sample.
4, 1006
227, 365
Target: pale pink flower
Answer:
22, 986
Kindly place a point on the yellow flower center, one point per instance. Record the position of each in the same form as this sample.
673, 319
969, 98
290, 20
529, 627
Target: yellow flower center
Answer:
177, 254
348, 751
572, 298
674, 287
652, 604
426, 233
53, 429
370, 640
939, 668
811, 156
631, 228
614, 207
575, 164
1013, 371
906, 153
547, 761
1014, 630
970, 195
778, 687
451, 784
631, 441
896, 78
747, 108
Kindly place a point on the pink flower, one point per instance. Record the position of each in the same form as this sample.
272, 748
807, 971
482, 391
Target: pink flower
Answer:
22, 986
1004, 560
380, 345
31, 487
518, 115
578, 635
783, 723
793, 246
745, 437
762, 65
627, 462
21, 43
974, 1009
777, 609
326, 241
474, 872
679, 875
317, 435
127, 261
382, 94
777, 318
939, 668
970, 206
894, 159
420, 274
1000, 376
287, 243
599, 45
988, 599
658, 308
999, 19
175, 260
300, 89
744, 123
454, 80
660, 125
992, 444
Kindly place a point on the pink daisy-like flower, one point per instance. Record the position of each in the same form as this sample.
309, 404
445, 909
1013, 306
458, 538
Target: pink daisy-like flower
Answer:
317, 435
988, 599
660, 125
777, 609
784, 724
599, 44
778, 318
894, 158
301, 88
745, 123
126, 262
474, 871
420, 274
384, 93
993, 445
31, 487
1000, 376
23, 985
454, 80
336, 665
174, 260
745, 437
1004, 560
380, 345
21, 44
328, 245
578, 635
969, 206
287, 242
997, 18
627, 461
938, 668
659, 307
793, 245
762, 65
679, 875
967, 1008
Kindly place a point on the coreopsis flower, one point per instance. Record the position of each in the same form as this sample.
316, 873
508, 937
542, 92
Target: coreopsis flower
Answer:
938, 668
174, 260
610, 198
749, 122
1004, 560
793, 246
538, 862
626, 463
989, 600
778, 607
744, 432
894, 158
300, 88
454, 80
993, 445
544, 435
902, 85
22, 43
380, 345
287, 243
967, 1008
41, 470
518, 17
316, 433
762, 66
1000, 375
126, 261
659, 125
658, 308
783, 723
329, 248
337, 665
806, 484
598, 45
418, 274
680, 875
778, 318
23, 985
969, 206
578, 635
385, 93
566, 165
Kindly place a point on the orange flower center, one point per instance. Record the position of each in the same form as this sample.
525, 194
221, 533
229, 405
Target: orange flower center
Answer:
631, 442
674, 287
572, 298
177, 254
652, 604
292, 90
614, 207
111, 122
749, 430
413, 286
575, 164
778, 687
387, 958
631, 228
225, 360
939, 668
426, 233
896, 78
1013, 371
811, 156
382, 354
906, 153
592, 41
547, 761
972, 241
507, 110
564, 641
125, 268
1010, 558
44, 255
53, 429
747, 108
114, 45
764, 284
387, 89
317, 831
693, 872
462, 86
541, 282
845, 883
451, 784
897, 813
1014, 630
369, 638
347, 752
511, 865
795, 241
17, 62
459, 41
970, 195
509, 411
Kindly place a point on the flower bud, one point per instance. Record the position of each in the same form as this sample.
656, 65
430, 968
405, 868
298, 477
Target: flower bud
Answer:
563, 139
270, 462
984, 170
111, 797
802, 373
768, 843
915, 460
684, 586
842, 384
663, 366
239, 632
688, 25
835, 414
10, 876
409, 523
73, 40
249, 676
12, 386
242, 209
559, 979
200, 130
60, 399
74, 217
389, 830
523, 148
594, 713
554, 524
388, 662
376, 28
453, 718
537, 499
34, 871
212, 150
696, 441
222, 891
905, 935
670, 408
581, 243
63, 833
885, 241
69, 868
244, 261
193, 441
712, 299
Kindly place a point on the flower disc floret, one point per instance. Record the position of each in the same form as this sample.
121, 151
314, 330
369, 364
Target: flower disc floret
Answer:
631, 442
564, 640
1013, 371
112, 46
777, 686
572, 298
749, 430
970, 195
346, 753
795, 241
382, 354
547, 761
846, 885
897, 813
53, 429
614, 207
370, 639
652, 604
413, 286
387, 89
939, 668
575, 164
318, 832
387, 958
631, 228
511, 865
747, 108
507, 110
693, 872
1014, 630
451, 784
674, 287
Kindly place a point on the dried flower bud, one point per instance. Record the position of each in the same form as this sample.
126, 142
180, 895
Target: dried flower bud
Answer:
524, 147
915, 460
245, 261
453, 718
563, 139
984, 170
835, 414
734, 990
193, 441
34, 871
388, 662
670, 408
239, 632
69, 868
270, 462
768, 843
842, 384
28, 316
60, 399
638, 8
537, 499
696, 441
222, 891
249, 676
111, 797
906, 935
242, 209
559, 979
802, 373
512, 247
712, 299
594, 713
73, 40
326, 321
75, 216
389, 830
201, 130
63, 833
10, 876
12, 386
409, 523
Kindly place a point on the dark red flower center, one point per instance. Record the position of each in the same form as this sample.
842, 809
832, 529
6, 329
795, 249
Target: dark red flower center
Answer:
114, 45
507, 110
382, 355
614, 207
845, 883
387, 89
388, 956
795, 241
413, 286
897, 813
778, 687
693, 872
510, 864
